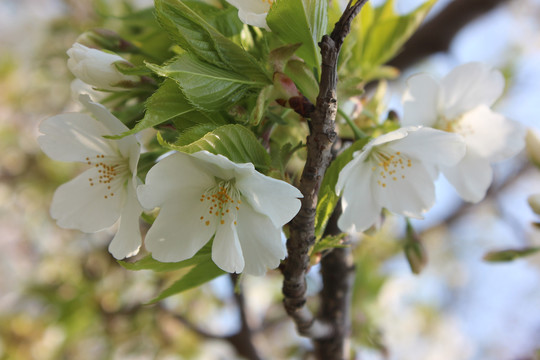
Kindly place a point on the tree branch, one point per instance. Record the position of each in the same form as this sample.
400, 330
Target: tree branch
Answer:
337, 270
319, 143
242, 340
437, 34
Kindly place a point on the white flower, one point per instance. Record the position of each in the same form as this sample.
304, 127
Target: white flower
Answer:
460, 103
96, 68
253, 12
203, 195
106, 192
395, 171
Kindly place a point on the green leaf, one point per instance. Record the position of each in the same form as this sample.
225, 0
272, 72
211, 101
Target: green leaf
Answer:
202, 40
194, 133
165, 104
233, 141
300, 21
509, 254
149, 263
329, 242
327, 193
378, 35
198, 275
205, 85
279, 57
263, 99
304, 79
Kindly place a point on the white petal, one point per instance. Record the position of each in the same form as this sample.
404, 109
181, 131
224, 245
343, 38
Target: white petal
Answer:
127, 240
254, 19
178, 232
170, 176
77, 205
471, 177
490, 135
410, 193
103, 115
388, 137
271, 197
220, 166
421, 101
260, 240
226, 250
359, 209
74, 137
115, 126
432, 146
468, 86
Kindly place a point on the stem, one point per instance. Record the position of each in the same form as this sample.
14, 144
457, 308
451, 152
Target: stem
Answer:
319, 143
358, 134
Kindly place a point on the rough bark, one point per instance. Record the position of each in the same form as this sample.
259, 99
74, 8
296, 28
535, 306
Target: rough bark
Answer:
319, 143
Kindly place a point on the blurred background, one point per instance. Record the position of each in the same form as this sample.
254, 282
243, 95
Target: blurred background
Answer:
62, 296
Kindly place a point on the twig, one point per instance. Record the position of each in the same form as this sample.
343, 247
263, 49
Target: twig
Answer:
319, 143
242, 340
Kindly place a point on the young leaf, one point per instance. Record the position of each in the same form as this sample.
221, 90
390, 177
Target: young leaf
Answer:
327, 193
198, 275
149, 263
233, 141
509, 254
329, 242
300, 21
205, 85
165, 104
379, 35
203, 41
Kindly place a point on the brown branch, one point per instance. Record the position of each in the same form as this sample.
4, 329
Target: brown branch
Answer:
319, 143
337, 270
242, 340
437, 34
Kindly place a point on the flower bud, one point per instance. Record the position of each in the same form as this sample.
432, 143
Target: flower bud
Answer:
106, 39
532, 144
97, 68
415, 251
534, 203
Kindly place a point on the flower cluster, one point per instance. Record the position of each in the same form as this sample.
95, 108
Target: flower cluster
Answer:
202, 195
461, 137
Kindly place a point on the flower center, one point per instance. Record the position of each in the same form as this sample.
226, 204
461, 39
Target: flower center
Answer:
111, 173
222, 201
389, 166
268, 2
